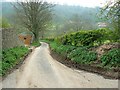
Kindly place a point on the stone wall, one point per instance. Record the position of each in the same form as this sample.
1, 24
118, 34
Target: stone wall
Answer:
10, 38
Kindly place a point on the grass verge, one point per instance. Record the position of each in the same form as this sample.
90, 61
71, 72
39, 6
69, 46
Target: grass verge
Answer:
84, 58
12, 57
35, 44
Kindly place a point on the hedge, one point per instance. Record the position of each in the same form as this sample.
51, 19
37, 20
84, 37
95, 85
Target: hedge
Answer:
85, 38
111, 58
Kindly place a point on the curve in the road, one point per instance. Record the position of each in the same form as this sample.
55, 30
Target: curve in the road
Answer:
40, 70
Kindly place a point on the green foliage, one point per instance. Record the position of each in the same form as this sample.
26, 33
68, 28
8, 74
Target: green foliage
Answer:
64, 49
49, 39
77, 54
115, 36
4, 23
53, 45
61, 49
111, 11
112, 58
86, 37
11, 57
76, 46
82, 55
36, 44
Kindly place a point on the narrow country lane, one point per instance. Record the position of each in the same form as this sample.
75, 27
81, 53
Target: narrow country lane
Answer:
40, 70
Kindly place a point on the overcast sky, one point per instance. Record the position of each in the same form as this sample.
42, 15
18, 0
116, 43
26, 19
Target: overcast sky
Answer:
85, 3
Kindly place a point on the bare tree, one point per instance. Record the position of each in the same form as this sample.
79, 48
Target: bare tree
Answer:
34, 15
111, 11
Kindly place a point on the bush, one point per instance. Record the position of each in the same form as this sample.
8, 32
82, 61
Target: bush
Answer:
86, 37
11, 57
49, 39
53, 45
112, 58
82, 55
76, 47
36, 44
61, 49
77, 54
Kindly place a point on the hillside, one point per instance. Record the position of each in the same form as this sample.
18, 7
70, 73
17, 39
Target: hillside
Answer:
61, 13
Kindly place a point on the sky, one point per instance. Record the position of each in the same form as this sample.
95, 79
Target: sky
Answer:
84, 3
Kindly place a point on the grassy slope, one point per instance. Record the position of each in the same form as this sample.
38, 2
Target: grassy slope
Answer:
11, 57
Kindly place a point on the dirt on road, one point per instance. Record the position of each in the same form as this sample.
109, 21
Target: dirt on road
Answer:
40, 70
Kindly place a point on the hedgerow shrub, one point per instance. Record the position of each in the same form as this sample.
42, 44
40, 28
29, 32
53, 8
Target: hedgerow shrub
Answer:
82, 55
112, 58
64, 49
36, 44
49, 39
11, 57
86, 37
61, 49
53, 45
77, 54
76, 47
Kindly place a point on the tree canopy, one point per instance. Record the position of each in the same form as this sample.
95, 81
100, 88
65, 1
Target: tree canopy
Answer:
34, 15
111, 11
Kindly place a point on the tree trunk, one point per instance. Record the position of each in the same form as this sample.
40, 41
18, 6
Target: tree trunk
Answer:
36, 39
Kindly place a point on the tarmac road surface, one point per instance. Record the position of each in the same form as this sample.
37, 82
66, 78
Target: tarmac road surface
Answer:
40, 70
